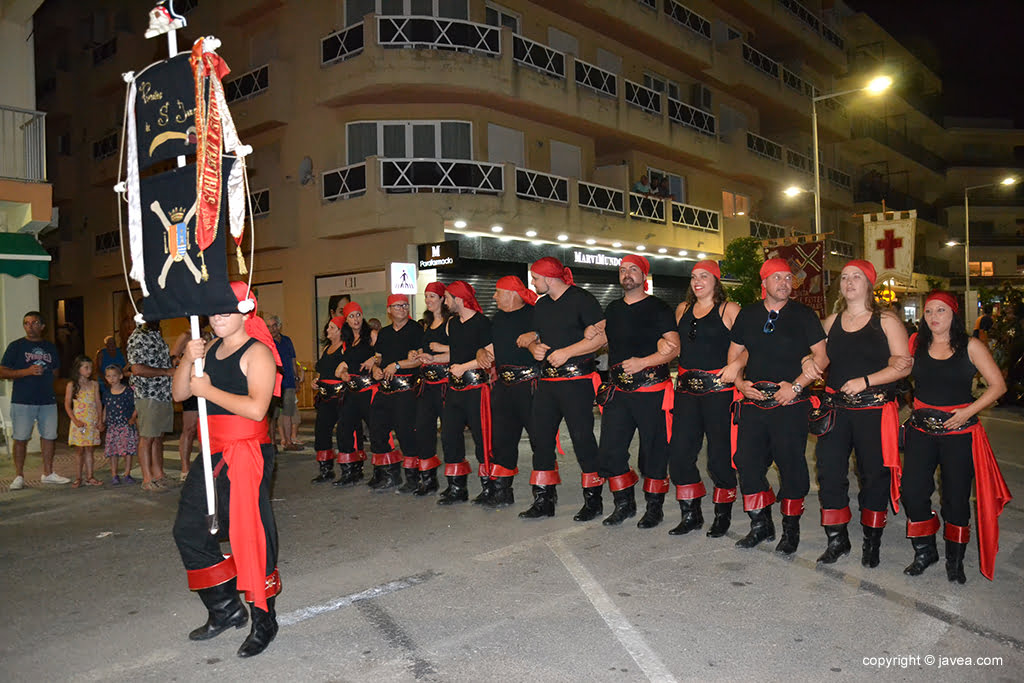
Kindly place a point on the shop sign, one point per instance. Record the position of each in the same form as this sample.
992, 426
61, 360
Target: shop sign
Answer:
595, 258
438, 254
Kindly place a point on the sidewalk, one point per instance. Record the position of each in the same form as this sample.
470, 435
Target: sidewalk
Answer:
64, 461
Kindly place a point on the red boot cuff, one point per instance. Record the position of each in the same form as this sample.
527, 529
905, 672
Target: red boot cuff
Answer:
345, 458
957, 534
656, 485
482, 471
623, 481
389, 458
758, 501
499, 471
208, 577
792, 507
873, 518
324, 456
688, 491
724, 495
545, 478
831, 517
410, 463
456, 469
430, 464
926, 528
273, 587
590, 480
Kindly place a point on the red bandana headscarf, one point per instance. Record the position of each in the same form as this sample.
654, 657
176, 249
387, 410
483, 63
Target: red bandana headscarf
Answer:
643, 264
436, 288
463, 290
709, 266
513, 284
397, 299
549, 266
770, 267
944, 297
256, 328
350, 308
864, 267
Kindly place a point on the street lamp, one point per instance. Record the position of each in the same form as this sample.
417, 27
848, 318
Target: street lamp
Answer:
876, 86
1005, 182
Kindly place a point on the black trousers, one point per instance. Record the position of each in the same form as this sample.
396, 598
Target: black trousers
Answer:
570, 399
461, 410
428, 412
327, 415
859, 430
393, 412
198, 548
511, 408
625, 414
923, 453
778, 435
695, 418
355, 411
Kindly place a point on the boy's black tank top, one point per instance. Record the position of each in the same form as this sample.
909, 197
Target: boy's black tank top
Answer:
226, 374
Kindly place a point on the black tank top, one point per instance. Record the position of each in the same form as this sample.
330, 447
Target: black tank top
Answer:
856, 354
354, 356
709, 348
329, 362
437, 334
226, 374
943, 382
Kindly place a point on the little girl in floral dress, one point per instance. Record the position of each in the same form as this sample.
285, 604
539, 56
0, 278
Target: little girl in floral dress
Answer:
119, 418
82, 403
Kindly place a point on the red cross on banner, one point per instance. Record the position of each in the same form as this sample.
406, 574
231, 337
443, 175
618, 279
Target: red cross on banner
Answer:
889, 243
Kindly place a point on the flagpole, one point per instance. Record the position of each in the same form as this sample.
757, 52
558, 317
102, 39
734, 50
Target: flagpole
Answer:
204, 426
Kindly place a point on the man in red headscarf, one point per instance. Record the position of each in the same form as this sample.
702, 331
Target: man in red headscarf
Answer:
394, 404
777, 334
238, 382
468, 402
512, 396
567, 387
642, 339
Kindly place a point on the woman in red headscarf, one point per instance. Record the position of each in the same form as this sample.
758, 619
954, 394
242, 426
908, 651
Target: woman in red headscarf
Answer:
944, 432
867, 351
328, 400
354, 370
421, 471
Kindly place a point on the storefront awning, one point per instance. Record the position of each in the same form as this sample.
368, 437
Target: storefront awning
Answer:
21, 254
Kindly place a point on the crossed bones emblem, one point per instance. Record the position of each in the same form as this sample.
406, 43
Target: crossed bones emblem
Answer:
176, 240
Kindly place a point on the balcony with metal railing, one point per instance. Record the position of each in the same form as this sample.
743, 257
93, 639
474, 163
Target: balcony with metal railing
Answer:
791, 22
840, 248
776, 157
252, 112
22, 144
382, 192
867, 127
498, 69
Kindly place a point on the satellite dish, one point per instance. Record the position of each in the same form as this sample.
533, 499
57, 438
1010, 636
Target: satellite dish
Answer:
306, 171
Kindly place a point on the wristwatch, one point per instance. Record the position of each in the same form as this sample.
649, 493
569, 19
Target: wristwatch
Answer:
798, 388
398, 366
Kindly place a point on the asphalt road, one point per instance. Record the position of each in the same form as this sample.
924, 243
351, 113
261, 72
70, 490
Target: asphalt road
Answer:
384, 587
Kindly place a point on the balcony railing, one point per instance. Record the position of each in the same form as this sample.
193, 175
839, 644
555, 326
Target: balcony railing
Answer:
839, 248
686, 17
345, 182
541, 187
794, 82
692, 117
763, 147
800, 162
768, 231
23, 144
259, 203
538, 56
760, 61
695, 217
643, 97
647, 208
773, 151
444, 175
594, 77
249, 84
438, 34
813, 22
600, 198
866, 126
653, 4
341, 45
105, 147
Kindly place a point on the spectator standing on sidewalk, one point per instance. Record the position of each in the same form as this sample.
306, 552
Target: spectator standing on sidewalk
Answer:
150, 359
285, 418
31, 362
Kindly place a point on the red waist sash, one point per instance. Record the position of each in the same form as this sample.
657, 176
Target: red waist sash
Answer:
238, 439
993, 494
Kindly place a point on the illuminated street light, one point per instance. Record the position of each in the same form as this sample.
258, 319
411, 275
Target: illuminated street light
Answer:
793, 191
876, 86
969, 310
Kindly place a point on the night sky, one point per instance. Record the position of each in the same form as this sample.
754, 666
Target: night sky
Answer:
974, 46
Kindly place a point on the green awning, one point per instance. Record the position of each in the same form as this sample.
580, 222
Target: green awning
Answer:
21, 254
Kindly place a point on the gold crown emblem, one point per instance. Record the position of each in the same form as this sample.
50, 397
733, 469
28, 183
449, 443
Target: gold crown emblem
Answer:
177, 214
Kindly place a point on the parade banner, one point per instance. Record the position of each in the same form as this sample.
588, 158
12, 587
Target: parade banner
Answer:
165, 111
182, 279
806, 257
889, 243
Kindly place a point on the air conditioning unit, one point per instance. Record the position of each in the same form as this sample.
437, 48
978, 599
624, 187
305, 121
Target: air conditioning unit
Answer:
700, 96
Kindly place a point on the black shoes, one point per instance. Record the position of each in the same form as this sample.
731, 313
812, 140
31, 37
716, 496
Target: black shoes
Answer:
457, 492
544, 499
693, 518
326, 472
872, 543
428, 482
625, 506
838, 543
722, 521
761, 528
955, 561
225, 610
592, 505
925, 555
264, 628
501, 493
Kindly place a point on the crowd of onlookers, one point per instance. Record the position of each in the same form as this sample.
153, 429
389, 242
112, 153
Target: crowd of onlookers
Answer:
119, 401
659, 188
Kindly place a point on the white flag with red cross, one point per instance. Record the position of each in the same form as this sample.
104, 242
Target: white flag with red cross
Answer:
889, 243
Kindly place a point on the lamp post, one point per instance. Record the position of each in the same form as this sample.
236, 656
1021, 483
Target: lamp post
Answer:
876, 86
1005, 182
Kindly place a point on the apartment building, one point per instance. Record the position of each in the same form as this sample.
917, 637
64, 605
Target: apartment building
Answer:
476, 136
